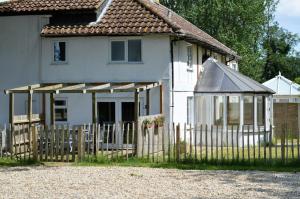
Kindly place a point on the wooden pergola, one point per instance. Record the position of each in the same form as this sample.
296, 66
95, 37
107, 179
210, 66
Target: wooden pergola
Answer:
85, 88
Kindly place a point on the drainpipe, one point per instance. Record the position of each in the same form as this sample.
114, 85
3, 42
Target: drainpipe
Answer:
172, 79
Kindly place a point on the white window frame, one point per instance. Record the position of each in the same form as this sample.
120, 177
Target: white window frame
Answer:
66, 53
126, 50
61, 107
189, 63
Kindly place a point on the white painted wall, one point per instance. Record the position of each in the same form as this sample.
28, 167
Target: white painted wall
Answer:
88, 60
19, 58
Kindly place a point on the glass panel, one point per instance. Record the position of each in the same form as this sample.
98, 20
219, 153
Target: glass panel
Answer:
248, 110
260, 110
190, 110
218, 104
189, 56
61, 114
60, 103
134, 50
106, 112
118, 51
233, 110
59, 51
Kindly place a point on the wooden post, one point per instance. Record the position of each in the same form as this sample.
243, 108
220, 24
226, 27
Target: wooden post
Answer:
52, 111
94, 108
80, 145
44, 108
136, 121
11, 119
161, 99
29, 109
148, 102
178, 142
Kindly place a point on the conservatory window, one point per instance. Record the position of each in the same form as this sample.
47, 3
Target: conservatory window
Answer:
233, 108
218, 111
248, 110
260, 110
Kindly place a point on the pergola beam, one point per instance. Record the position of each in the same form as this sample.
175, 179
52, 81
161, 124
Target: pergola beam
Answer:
97, 88
49, 89
22, 89
122, 87
77, 88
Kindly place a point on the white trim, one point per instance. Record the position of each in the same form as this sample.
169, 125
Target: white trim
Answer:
125, 40
53, 62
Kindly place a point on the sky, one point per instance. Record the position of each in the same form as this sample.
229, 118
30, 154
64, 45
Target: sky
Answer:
288, 16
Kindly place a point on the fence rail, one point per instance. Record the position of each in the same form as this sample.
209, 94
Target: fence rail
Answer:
164, 143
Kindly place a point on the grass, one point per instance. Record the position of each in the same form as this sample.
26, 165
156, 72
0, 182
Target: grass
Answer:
8, 162
190, 164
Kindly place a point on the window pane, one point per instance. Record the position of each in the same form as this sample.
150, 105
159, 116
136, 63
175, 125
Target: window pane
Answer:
59, 51
118, 51
134, 50
233, 110
189, 56
248, 110
218, 104
61, 115
260, 110
60, 102
190, 110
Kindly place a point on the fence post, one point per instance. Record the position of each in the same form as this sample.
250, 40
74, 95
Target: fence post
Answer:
178, 142
80, 150
270, 144
34, 143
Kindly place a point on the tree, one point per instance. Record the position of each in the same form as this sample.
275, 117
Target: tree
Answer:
280, 54
240, 24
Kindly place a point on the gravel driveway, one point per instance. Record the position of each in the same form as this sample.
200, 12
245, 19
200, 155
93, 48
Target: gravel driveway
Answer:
127, 182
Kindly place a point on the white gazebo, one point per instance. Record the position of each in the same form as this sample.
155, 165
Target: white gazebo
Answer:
286, 103
225, 97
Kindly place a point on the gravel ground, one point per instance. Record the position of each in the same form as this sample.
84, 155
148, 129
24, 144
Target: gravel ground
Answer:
127, 182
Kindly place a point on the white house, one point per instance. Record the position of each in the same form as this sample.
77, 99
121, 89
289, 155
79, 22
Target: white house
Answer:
89, 61
286, 103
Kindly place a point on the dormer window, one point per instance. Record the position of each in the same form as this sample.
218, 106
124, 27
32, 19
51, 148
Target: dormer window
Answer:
59, 52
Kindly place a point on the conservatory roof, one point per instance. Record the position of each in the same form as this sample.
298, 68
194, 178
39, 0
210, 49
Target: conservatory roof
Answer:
283, 86
219, 78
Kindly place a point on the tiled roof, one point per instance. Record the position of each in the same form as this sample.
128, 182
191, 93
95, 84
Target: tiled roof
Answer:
17, 6
122, 17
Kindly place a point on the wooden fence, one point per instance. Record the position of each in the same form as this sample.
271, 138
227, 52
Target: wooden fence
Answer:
175, 142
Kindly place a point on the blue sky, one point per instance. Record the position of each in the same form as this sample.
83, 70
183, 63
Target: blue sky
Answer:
288, 16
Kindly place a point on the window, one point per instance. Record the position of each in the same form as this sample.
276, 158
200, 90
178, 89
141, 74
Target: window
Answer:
134, 50
218, 110
233, 113
260, 110
248, 110
118, 51
126, 50
190, 110
190, 57
59, 49
61, 110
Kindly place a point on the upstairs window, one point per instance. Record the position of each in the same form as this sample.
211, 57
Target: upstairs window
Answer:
61, 110
190, 57
126, 50
59, 54
118, 51
134, 50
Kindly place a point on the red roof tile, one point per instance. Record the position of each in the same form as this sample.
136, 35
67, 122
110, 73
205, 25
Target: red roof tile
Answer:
16, 6
123, 17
